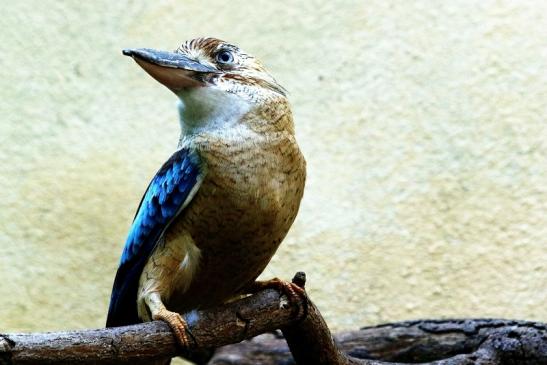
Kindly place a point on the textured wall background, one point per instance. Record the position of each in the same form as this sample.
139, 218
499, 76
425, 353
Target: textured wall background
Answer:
423, 124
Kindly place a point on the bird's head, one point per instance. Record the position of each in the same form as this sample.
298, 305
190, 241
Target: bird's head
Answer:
216, 82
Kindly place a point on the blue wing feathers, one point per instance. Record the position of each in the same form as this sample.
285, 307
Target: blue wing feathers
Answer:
162, 201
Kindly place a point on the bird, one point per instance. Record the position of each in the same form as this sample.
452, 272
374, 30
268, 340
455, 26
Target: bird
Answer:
216, 211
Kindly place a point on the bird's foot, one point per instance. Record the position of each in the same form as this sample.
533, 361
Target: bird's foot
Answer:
293, 292
176, 323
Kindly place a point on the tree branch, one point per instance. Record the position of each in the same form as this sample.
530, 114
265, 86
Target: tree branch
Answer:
451, 341
141, 343
309, 339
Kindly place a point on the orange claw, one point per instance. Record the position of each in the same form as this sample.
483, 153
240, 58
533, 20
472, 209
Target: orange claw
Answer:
291, 290
176, 323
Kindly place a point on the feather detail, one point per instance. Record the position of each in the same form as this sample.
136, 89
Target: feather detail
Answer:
168, 194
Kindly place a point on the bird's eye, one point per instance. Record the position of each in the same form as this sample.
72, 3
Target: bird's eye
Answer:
225, 57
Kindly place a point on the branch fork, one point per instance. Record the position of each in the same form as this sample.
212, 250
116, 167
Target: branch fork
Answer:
308, 339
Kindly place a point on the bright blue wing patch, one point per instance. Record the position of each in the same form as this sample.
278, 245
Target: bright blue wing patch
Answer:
165, 196
164, 199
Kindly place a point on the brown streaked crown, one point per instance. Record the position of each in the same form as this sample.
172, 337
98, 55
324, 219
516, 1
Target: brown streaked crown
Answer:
235, 66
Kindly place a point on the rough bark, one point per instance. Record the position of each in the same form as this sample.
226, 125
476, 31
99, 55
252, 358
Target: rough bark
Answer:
450, 341
447, 342
141, 343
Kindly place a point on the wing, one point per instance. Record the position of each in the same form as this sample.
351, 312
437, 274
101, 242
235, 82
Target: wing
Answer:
169, 192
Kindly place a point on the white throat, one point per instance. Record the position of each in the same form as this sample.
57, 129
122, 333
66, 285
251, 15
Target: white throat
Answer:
208, 109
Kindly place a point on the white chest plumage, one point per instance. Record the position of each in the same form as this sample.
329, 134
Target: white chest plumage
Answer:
210, 110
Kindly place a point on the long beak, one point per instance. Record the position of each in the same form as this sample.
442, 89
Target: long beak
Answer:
172, 69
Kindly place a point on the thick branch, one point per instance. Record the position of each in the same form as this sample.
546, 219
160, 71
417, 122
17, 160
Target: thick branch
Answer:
470, 342
310, 342
465, 341
140, 343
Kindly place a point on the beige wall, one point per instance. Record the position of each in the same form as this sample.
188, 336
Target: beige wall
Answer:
423, 123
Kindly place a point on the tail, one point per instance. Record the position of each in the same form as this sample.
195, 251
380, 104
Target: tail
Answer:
122, 310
